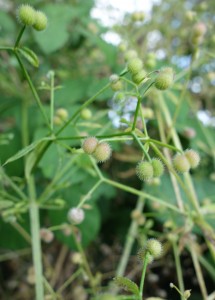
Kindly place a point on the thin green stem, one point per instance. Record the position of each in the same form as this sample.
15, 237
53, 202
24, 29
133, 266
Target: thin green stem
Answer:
69, 281
85, 263
52, 74
136, 113
14, 186
19, 37
141, 146
97, 168
165, 145
178, 267
88, 102
34, 92
143, 276
129, 240
144, 122
89, 194
140, 193
36, 243
198, 270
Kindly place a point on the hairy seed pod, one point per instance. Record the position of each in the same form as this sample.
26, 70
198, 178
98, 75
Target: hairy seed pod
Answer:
141, 254
139, 77
89, 145
144, 170
181, 163
193, 158
116, 86
154, 247
26, 15
102, 152
41, 21
158, 167
135, 65
130, 54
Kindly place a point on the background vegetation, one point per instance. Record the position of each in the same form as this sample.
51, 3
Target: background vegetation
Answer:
74, 64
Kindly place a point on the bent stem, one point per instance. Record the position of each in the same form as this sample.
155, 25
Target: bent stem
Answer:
143, 276
36, 244
178, 268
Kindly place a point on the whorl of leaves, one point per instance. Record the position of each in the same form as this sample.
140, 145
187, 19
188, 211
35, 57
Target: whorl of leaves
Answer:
127, 285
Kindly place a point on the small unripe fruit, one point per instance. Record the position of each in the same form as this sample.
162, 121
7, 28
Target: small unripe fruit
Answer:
154, 247
181, 163
62, 113
164, 80
122, 47
57, 121
76, 215
116, 86
144, 170
139, 77
193, 158
130, 54
40, 21
26, 15
135, 65
114, 78
102, 152
86, 114
158, 167
46, 235
187, 294
150, 63
89, 145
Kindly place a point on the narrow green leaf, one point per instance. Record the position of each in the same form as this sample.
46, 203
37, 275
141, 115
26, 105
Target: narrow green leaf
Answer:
26, 150
5, 204
29, 55
127, 285
35, 155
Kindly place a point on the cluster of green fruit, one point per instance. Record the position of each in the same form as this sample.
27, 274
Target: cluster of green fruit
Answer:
28, 16
184, 162
101, 151
146, 170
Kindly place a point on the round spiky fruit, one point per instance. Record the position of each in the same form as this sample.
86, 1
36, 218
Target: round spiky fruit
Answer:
139, 77
181, 163
102, 152
154, 247
130, 54
135, 65
193, 158
144, 170
164, 79
141, 254
89, 145
40, 21
26, 15
158, 167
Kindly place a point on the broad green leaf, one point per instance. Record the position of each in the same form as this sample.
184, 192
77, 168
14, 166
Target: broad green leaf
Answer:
56, 33
127, 285
26, 150
30, 56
